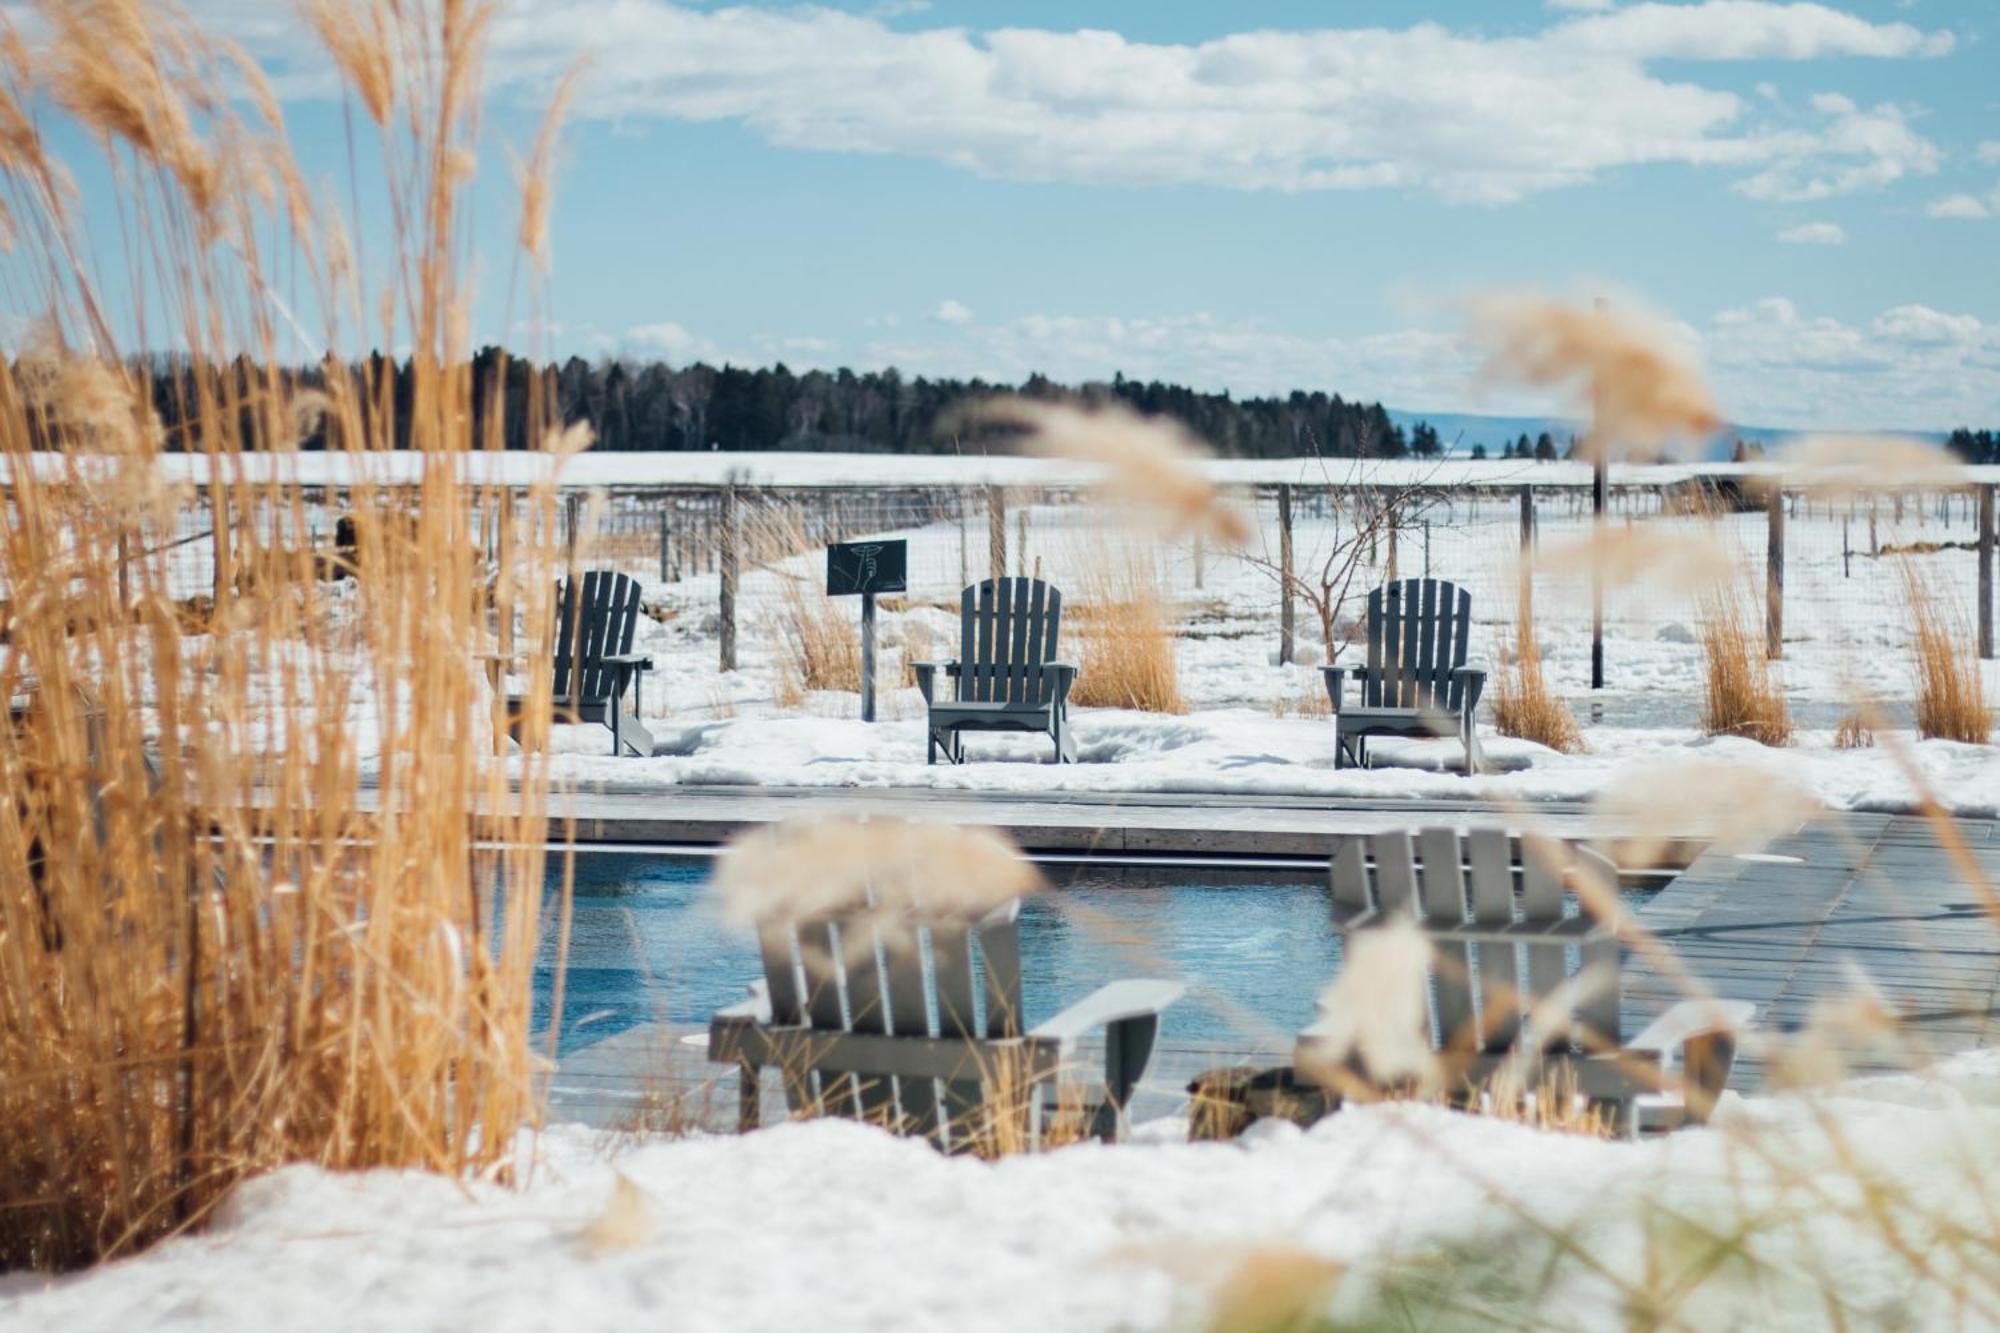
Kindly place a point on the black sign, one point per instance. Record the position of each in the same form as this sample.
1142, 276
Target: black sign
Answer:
871, 567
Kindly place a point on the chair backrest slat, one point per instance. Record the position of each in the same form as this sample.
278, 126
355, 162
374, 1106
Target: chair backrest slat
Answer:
781, 974
1598, 1005
1492, 865
1395, 871
1423, 669
1350, 877
909, 1016
1443, 909
1542, 903
1000, 951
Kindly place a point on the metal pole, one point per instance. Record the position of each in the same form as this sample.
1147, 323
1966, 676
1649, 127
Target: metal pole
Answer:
726, 606
1774, 574
1200, 553
1527, 611
1600, 476
964, 539
1021, 541
867, 657
1284, 574
666, 572
1986, 571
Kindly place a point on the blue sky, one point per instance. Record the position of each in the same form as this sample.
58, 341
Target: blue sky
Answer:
1257, 196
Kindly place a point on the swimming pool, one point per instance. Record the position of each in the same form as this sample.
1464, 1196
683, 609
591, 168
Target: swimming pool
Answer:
1255, 947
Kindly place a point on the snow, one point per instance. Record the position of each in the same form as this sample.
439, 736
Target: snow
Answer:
1255, 727
639, 470
833, 1226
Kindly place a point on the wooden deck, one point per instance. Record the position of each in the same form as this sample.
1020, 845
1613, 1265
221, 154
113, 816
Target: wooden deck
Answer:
1790, 931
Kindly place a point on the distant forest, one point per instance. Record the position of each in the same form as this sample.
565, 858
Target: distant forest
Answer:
649, 405
652, 406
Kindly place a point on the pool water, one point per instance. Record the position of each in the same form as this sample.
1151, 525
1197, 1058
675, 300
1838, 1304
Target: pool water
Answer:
1255, 948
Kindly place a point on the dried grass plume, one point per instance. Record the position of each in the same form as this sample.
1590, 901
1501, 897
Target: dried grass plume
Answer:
1642, 392
1152, 461
799, 870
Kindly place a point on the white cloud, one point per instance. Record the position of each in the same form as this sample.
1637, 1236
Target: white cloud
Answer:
1911, 367
1772, 364
675, 342
1921, 324
953, 313
1961, 207
1989, 150
1855, 150
1466, 116
1814, 233
1749, 30
1592, 6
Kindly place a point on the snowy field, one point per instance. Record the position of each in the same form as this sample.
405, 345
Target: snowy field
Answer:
1866, 1208
1256, 726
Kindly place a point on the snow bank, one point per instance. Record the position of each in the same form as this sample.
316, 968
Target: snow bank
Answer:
833, 1226
1240, 752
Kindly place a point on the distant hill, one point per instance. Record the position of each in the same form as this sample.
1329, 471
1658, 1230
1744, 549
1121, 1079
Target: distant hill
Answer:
1461, 430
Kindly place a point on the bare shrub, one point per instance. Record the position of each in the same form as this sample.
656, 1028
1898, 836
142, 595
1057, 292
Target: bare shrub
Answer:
1853, 733
1951, 697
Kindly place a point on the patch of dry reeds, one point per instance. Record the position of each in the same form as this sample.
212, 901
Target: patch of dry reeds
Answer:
1523, 704
819, 647
1742, 695
247, 912
1951, 694
1119, 617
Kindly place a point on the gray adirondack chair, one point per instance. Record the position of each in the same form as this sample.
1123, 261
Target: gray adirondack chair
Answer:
1416, 682
1006, 673
1488, 903
929, 1028
594, 664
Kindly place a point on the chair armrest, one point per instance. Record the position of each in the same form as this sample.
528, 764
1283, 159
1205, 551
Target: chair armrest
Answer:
1691, 1019
726, 1023
1336, 684
926, 673
1475, 685
642, 661
1110, 1003
1065, 677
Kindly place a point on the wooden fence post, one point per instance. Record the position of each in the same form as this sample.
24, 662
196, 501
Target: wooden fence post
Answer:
666, 559
1774, 574
1284, 573
1199, 561
1021, 541
1527, 611
726, 605
1986, 570
996, 530
964, 538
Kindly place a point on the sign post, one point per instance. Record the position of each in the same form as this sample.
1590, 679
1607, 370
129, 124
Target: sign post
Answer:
863, 569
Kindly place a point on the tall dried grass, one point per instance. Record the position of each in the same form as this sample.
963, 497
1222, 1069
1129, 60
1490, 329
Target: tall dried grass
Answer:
1742, 696
1951, 695
819, 647
1119, 614
1523, 703
230, 935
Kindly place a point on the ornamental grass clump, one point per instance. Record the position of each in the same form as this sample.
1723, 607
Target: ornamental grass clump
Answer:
1951, 694
254, 905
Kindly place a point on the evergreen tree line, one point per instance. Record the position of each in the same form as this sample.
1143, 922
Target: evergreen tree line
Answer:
652, 406
1975, 446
